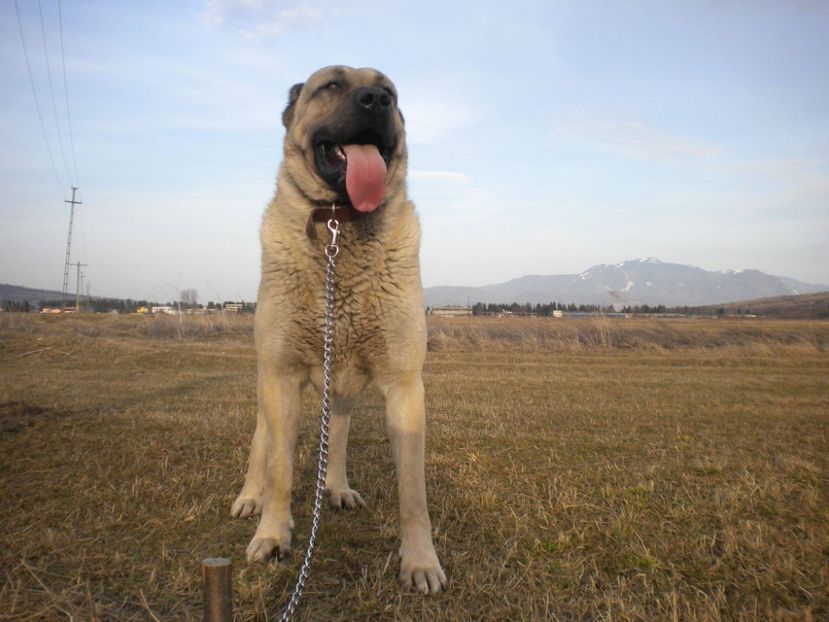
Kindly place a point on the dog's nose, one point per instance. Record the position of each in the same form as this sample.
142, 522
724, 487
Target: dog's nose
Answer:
373, 99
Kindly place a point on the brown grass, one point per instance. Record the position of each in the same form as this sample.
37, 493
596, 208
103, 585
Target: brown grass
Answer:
577, 470
603, 334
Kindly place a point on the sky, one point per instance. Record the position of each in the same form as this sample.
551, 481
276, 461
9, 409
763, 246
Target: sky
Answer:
544, 137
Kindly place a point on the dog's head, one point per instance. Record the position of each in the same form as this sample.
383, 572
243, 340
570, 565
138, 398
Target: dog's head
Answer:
344, 138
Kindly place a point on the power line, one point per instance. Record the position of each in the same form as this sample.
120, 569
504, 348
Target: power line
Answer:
51, 89
66, 94
34, 94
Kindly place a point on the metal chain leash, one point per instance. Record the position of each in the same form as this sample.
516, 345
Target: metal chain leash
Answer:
331, 251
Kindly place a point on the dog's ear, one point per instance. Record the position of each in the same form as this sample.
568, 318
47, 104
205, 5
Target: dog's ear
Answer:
293, 95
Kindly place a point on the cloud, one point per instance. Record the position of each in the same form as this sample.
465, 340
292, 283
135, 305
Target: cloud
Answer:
451, 177
789, 188
787, 170
216, 12
433, 117
260, 19
636, 140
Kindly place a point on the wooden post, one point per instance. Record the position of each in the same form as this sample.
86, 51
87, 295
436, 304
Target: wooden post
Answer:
217, 574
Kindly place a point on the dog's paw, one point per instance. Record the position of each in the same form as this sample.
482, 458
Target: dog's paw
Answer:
261, 549
344, 498
420, 569
245, 506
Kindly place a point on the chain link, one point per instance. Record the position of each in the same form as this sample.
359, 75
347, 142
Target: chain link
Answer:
331, 251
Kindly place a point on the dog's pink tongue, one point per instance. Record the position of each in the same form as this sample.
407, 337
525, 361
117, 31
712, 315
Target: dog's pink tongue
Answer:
365, 176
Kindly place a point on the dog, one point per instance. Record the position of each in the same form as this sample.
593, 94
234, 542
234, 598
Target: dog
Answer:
344, 155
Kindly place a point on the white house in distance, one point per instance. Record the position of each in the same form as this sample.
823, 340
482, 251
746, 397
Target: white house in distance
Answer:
451, 311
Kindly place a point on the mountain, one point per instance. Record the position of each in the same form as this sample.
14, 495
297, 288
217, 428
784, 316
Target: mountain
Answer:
634, 282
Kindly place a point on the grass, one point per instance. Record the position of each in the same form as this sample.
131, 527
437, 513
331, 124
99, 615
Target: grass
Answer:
577, 470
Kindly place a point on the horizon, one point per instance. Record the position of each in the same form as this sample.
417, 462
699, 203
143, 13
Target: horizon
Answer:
544, 138
203, 301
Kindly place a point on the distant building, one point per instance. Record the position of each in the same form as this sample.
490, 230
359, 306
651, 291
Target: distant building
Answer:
451, 311
164, 309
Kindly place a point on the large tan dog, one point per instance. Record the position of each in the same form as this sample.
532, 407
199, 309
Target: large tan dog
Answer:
344, 145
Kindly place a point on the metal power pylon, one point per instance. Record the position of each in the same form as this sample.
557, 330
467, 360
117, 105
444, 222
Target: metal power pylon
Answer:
66, 264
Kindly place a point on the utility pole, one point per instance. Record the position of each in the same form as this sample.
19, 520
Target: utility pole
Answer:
78, 287
66, 264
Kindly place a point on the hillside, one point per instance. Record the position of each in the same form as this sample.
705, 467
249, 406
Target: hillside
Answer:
634, 282
804, 306
17, 293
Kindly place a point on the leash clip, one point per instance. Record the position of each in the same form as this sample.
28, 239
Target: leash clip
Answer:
333, 224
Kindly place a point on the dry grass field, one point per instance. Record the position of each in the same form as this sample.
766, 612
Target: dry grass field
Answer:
577, 470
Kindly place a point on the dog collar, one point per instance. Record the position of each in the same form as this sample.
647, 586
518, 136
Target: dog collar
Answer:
342, 213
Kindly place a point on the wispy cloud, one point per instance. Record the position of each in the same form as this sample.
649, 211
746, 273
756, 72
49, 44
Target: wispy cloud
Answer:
787, 188
216, 12
260, 19
450, 177
789, 170
636, 140
432, 116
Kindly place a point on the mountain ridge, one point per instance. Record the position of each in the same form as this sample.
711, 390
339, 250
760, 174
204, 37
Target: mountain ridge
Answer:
633, 282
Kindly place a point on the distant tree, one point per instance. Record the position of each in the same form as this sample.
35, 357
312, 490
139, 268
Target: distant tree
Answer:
19, 306
189, 297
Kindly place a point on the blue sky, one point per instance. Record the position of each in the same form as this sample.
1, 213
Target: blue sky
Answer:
544, 137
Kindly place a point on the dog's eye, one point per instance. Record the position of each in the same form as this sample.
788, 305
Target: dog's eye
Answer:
333, 86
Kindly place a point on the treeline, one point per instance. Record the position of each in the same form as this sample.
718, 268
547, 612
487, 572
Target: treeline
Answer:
653, 309
547, 309
539, 309
22, 307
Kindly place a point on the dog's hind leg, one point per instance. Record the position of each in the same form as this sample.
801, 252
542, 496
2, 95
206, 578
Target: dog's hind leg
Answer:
406, 424
280, 398
249, 500
340, 495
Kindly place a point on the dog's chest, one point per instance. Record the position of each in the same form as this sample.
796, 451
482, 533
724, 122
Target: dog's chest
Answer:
367, 300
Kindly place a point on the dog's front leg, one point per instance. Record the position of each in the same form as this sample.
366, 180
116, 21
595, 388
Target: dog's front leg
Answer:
280, 400
340, 494
406, 421
249, 500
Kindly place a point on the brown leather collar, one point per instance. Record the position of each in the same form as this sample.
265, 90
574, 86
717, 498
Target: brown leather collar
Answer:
343, 213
